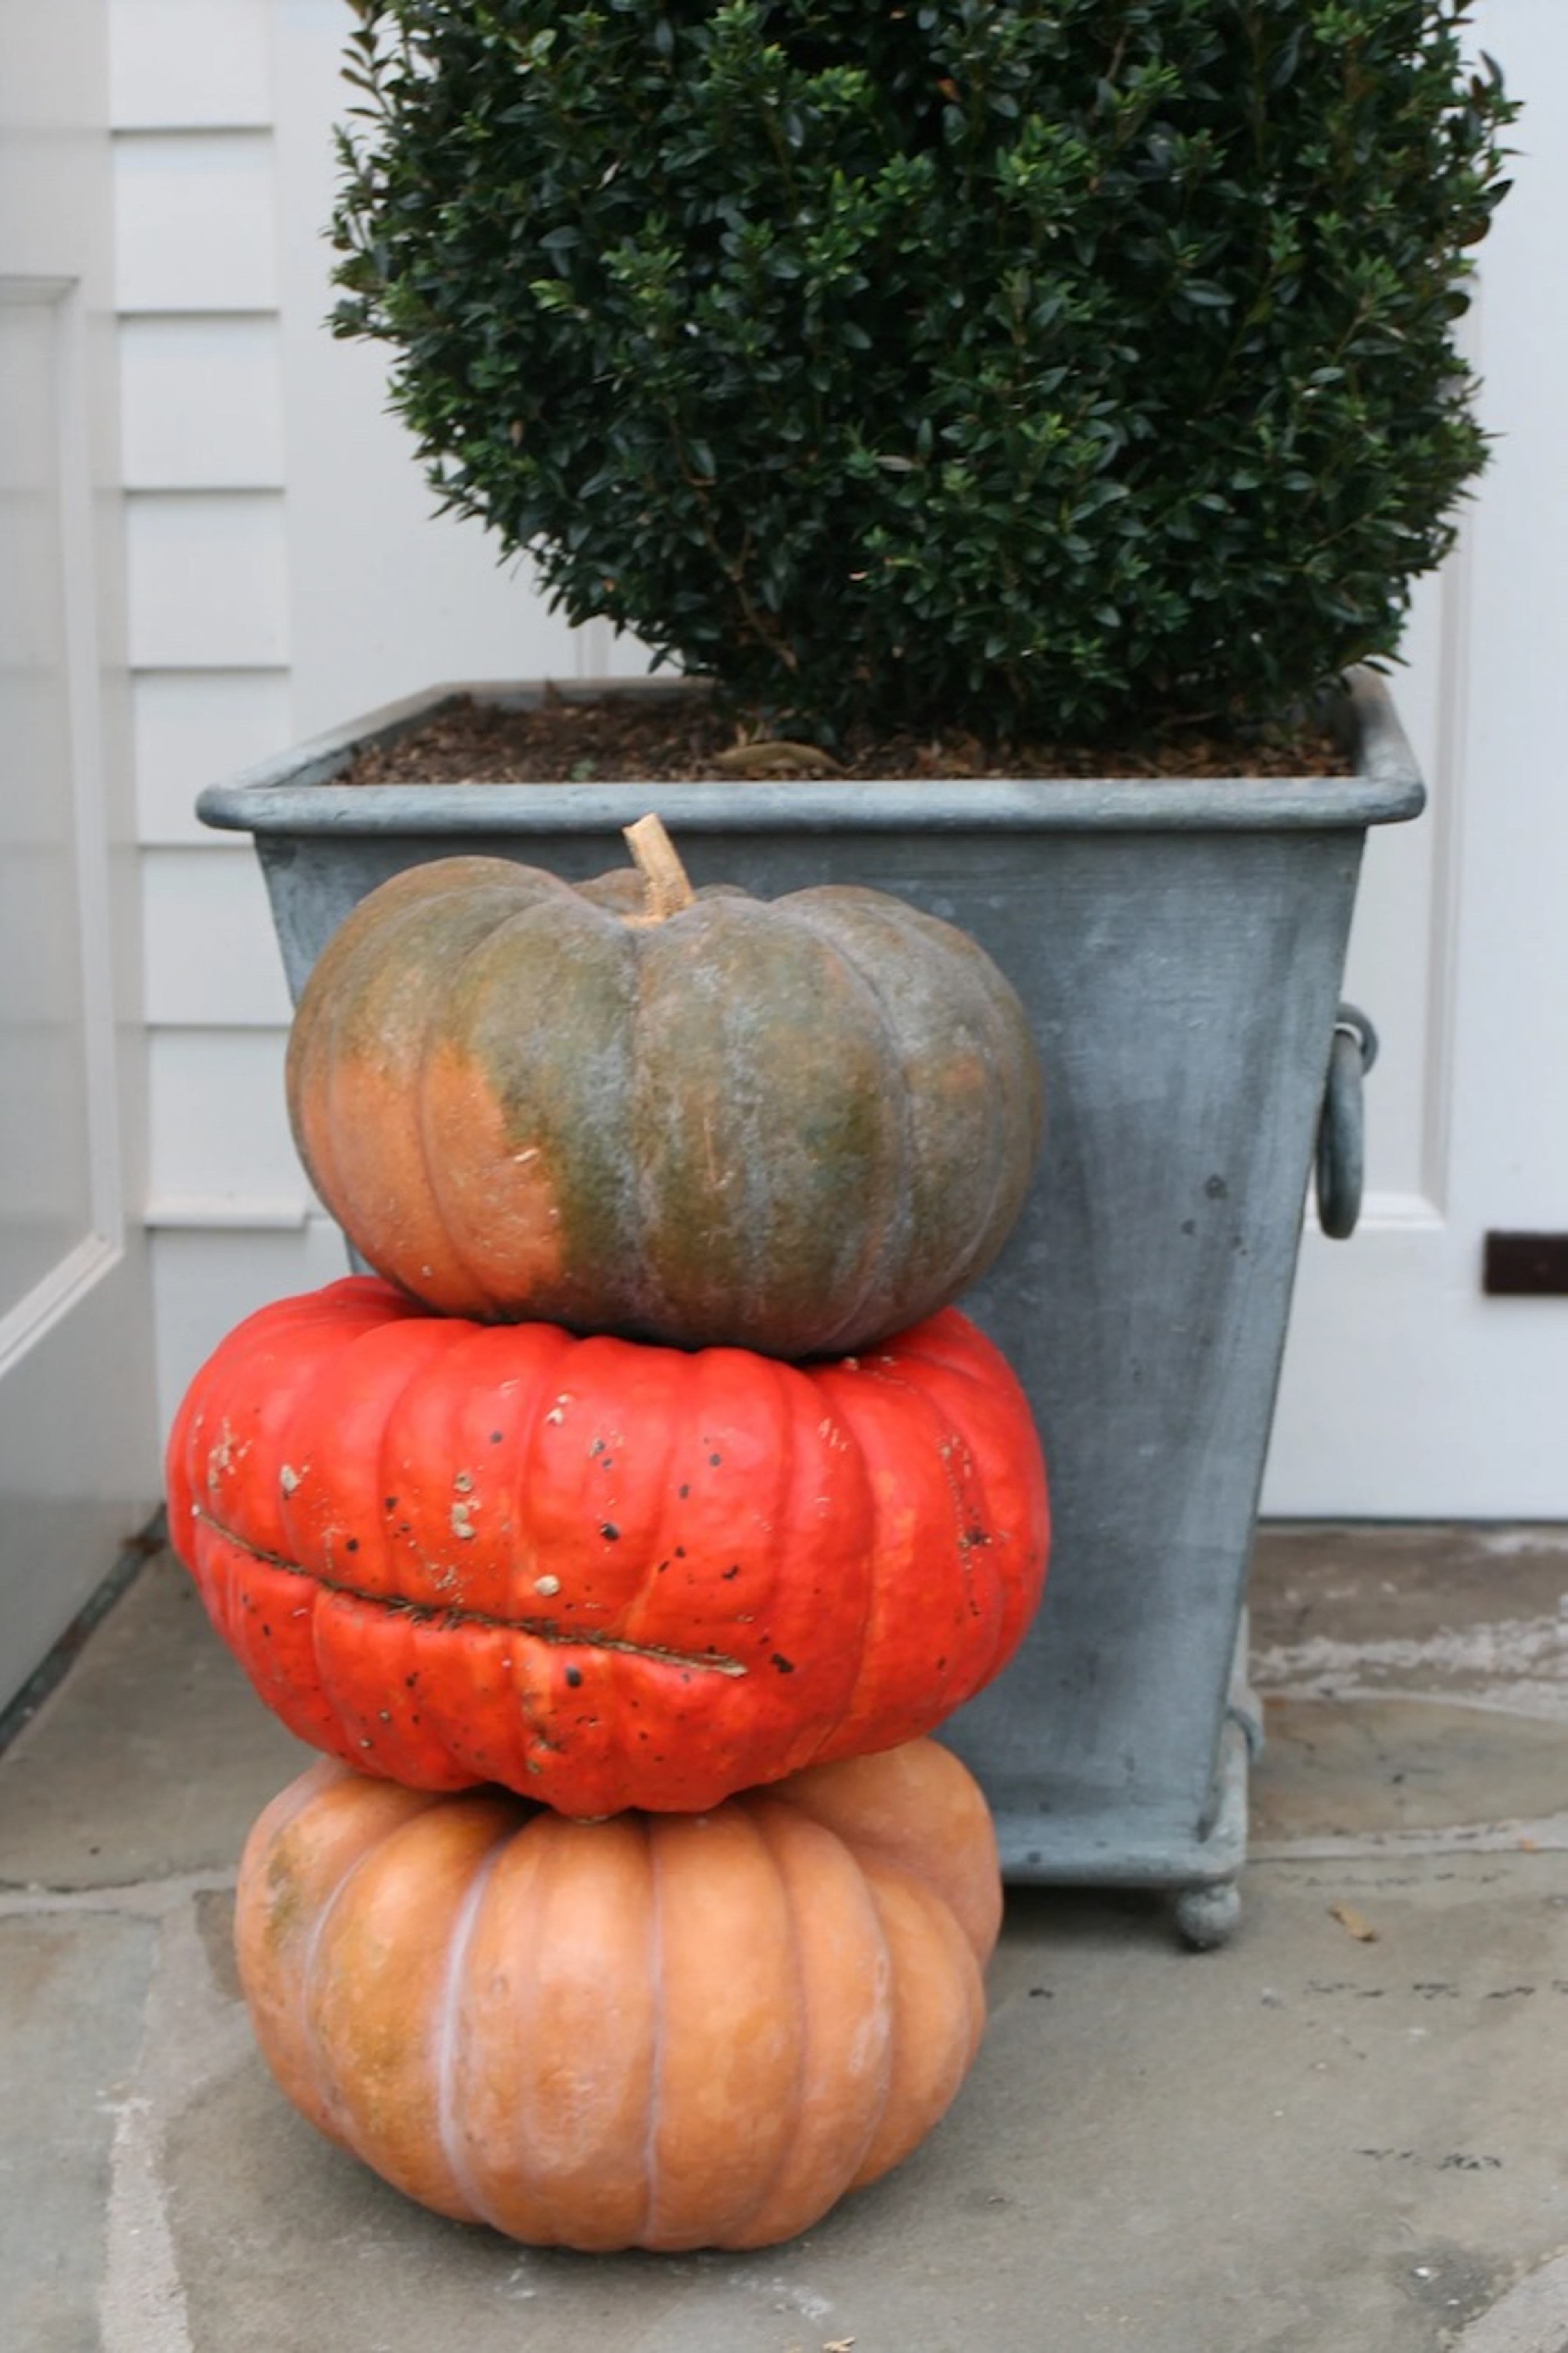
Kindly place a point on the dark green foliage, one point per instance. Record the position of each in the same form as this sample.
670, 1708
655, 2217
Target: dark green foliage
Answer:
1041, 367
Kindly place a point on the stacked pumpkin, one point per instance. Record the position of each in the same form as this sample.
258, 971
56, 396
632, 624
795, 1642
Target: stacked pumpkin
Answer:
622, 1538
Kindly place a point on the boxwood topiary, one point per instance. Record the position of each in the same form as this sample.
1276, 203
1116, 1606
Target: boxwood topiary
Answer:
1038, 368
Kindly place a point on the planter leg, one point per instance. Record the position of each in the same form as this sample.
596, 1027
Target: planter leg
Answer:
1207, 1917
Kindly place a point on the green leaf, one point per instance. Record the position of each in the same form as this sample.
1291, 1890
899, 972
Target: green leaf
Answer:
957, 364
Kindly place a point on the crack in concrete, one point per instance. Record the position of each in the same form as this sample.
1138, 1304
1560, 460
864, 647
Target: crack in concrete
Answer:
1546, 1835
190, 2039
137, 1899
1531, 2318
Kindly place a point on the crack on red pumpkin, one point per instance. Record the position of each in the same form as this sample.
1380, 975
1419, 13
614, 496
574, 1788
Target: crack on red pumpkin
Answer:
536, 1629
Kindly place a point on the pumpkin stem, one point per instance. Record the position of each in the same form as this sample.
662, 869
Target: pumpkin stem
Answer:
665, 879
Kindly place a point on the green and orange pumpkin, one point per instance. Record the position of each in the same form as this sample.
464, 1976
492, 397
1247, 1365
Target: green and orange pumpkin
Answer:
664, 2031
599, 1571
794, 1126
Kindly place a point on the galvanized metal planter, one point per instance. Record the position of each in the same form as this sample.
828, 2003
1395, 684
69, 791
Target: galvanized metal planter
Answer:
1180, 946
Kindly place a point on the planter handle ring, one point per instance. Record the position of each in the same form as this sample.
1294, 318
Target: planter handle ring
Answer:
1341, 1128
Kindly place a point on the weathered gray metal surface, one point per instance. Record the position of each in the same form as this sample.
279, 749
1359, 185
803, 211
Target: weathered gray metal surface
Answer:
1180, 946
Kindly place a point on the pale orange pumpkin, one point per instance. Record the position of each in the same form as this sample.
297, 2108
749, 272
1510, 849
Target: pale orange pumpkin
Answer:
658, 2031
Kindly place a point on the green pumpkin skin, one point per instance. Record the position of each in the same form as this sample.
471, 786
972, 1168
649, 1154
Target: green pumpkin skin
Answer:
795, 1126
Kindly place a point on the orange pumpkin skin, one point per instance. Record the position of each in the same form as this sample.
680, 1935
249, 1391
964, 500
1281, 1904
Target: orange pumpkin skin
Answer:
600, 1572
661, 2031
793, 1125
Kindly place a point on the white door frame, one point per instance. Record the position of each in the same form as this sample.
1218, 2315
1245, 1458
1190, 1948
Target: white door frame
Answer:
79, 1470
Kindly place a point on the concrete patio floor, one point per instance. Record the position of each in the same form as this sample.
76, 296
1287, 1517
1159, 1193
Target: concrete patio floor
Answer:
1346, 2132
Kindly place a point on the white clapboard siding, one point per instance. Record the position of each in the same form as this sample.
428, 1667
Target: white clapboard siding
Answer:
241, 1155
179, 63
201, 406
208, 574
193, 725
195, 213
203, 447
208, 929
260, 465
384, 599
210, 1277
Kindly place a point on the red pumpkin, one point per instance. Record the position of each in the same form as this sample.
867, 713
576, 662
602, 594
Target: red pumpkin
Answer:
795, 1126
602, 1572
661, 2031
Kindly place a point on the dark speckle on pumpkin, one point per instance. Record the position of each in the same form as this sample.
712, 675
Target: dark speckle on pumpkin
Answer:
574, 1676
